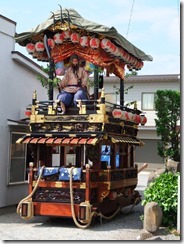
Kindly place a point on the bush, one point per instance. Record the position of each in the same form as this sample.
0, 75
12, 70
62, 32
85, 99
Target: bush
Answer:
164, 191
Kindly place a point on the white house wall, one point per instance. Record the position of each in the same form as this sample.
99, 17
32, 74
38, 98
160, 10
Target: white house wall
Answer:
17, 84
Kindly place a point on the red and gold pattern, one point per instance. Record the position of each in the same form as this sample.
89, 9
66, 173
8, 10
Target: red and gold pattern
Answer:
95, 56
102, 53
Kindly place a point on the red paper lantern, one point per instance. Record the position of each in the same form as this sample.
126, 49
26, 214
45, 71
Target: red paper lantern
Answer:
66, 34
117, 52
112, 49
121, 50
27, 113
58, 38
129, 67
30, 47
105, 44
51, 43
137, 118
129, 116
124, 115
39, 46
143, 119
134, 61
75, 38
35, 54
117, 113
84, 41
139, 65
94, 43
125, 56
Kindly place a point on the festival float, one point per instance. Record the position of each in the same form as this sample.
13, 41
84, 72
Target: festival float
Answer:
84, 160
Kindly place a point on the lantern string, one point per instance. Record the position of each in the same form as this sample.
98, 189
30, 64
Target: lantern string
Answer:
130, 18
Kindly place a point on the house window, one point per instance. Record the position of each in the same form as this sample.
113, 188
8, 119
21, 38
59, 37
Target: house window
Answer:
148, 101
18, 160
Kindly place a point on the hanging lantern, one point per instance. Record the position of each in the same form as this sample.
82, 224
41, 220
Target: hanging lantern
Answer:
84, 41
117, 113
134, 61
117, 53
27, 113
75, 38
35, 54
143, 119
66, 34
105, 44
130, 59
122, 53
139, 65
30, 47
94, 43
129, 116
58, 38
137, 118
129, 67
126, 57
112, 49
51, 43
39, 46
124, 115
44, 57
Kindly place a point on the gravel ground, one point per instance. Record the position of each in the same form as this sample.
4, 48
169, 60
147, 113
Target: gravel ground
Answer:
125, 226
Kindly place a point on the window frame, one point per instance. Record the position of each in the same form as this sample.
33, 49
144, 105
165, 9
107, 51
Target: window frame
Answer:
142, 101
24, 181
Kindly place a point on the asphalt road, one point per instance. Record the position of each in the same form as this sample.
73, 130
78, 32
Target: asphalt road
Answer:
127, 225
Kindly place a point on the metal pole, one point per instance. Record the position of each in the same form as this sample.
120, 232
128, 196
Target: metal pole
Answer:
121, 92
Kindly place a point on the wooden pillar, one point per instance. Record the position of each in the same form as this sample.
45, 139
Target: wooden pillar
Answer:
30, 177
88, 185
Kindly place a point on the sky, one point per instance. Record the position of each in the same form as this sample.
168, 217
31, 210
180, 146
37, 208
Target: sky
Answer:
151, 25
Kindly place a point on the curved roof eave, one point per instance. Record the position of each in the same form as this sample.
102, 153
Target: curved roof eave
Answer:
72, 17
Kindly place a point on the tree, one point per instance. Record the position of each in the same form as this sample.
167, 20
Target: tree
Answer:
46, 82
117, 89
167, 106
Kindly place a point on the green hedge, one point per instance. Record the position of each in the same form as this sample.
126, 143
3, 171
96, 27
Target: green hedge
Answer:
164, 191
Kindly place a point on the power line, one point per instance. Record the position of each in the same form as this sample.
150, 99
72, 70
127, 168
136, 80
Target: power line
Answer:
130, 18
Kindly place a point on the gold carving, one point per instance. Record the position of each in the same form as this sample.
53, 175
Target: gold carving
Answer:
100, 118
58, 184
39, 118
34, 95
48, 135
